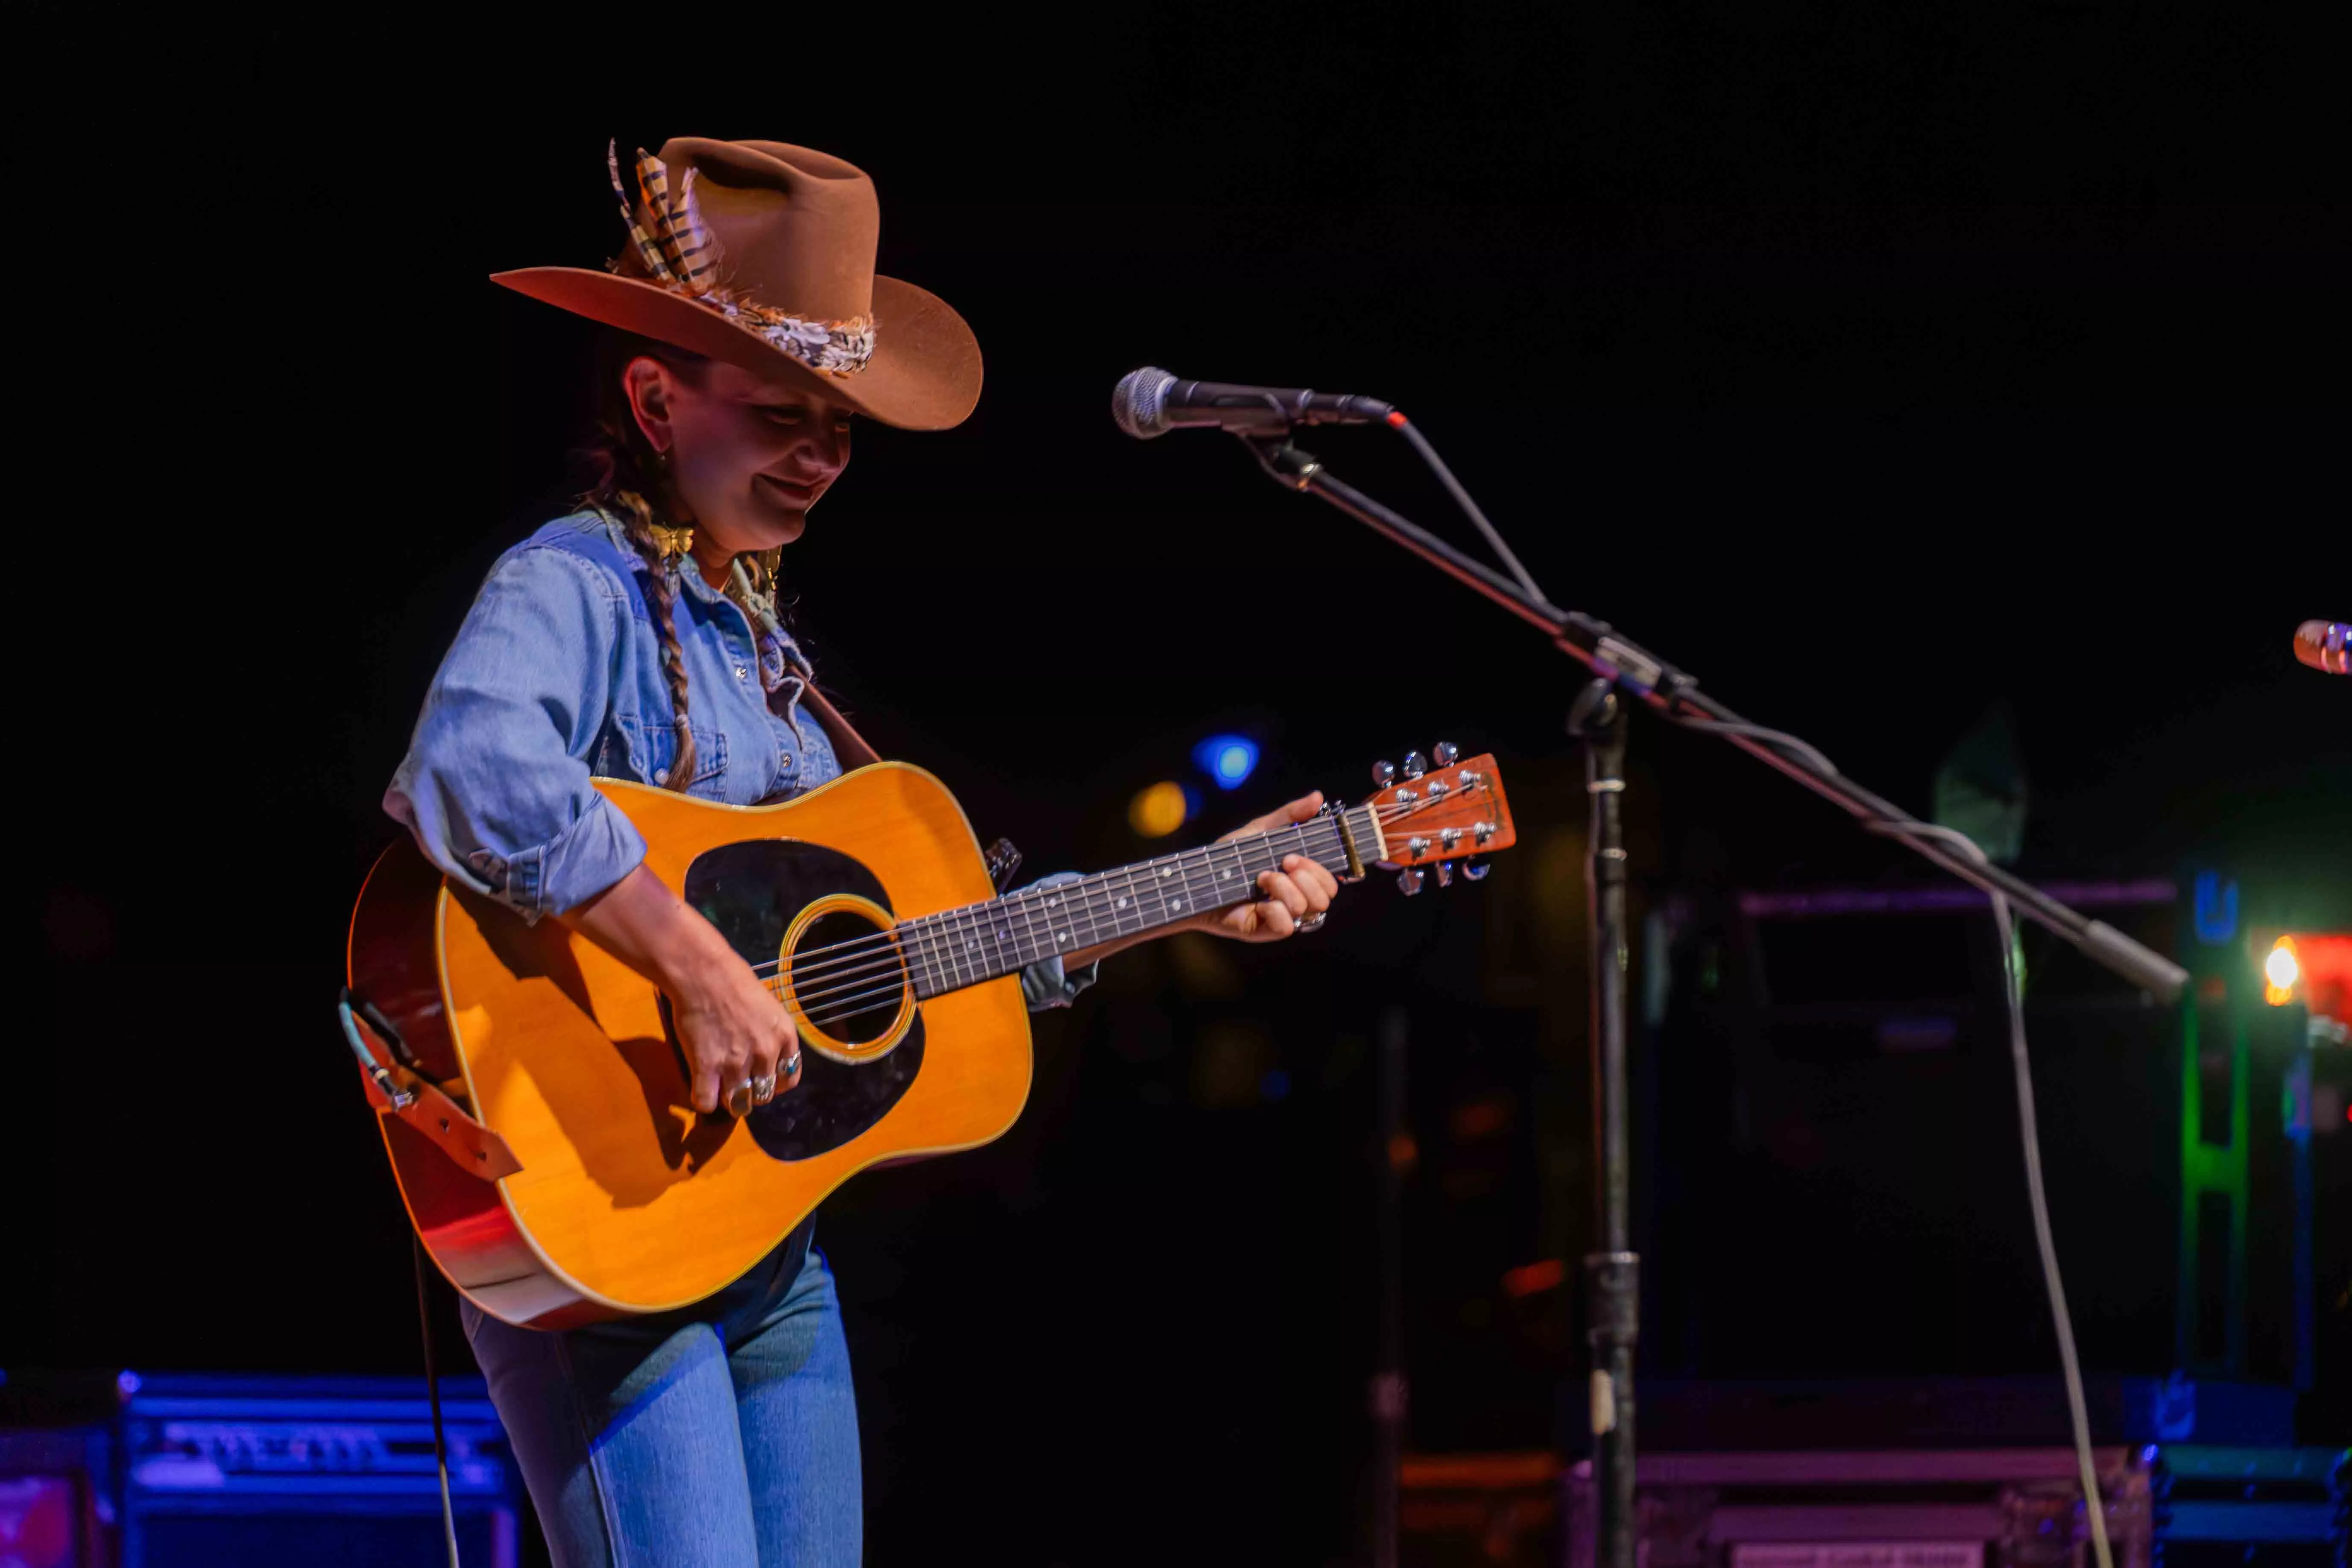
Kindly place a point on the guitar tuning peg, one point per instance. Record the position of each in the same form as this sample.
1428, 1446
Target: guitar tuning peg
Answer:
1476, 867
1409, 880
1446, 873
1415, 764
1383, 774
1443, 753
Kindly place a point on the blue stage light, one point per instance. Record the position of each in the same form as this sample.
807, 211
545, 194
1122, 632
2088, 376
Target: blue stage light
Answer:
1228, 759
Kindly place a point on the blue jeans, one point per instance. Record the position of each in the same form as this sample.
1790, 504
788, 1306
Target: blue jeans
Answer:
724, 1435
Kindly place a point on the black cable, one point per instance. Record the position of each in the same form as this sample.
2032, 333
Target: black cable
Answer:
1302, 471
433, 1394
1420, 443
2037, 1199
2036, 1196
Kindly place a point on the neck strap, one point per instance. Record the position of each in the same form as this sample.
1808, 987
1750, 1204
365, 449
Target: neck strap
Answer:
848, 746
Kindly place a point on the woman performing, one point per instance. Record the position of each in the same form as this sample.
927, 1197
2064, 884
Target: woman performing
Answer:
637, 639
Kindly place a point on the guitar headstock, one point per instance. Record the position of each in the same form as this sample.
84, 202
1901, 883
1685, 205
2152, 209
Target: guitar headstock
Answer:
1440, 811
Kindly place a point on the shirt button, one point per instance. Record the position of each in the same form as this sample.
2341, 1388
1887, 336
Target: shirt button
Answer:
785, 760
742, 673
661, 775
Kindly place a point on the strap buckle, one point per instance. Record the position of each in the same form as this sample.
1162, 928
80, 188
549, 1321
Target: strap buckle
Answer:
397, 1089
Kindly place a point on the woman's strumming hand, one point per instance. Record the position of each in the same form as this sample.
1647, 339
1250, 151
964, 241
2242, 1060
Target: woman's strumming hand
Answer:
1300, 889
732, 1029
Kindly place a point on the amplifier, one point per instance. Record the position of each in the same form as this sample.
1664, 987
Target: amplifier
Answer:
2169, 1506
262, 1470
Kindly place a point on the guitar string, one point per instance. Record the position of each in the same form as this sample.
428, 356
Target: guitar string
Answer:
960, 921
937, 922
1098, 904
1098, 907
930, 938
1099, 896
838, 1007
1097, 901
845, 1000
1093, 898
830, 994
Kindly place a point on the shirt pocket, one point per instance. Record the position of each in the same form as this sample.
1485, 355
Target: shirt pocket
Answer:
652, 747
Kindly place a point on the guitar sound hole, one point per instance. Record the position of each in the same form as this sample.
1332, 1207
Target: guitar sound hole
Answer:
847, 978
752, 891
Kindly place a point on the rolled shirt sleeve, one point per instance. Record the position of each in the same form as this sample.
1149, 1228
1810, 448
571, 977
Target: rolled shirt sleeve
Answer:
1048, 983
495, 783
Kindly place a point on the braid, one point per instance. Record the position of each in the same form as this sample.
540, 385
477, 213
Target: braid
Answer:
661, 592
626, 482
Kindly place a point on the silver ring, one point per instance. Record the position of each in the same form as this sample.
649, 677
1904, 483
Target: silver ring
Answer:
739, 1100
1313, 922
764, 1089
789, 1066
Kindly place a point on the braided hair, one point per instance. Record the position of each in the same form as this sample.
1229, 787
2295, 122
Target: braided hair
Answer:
629, 480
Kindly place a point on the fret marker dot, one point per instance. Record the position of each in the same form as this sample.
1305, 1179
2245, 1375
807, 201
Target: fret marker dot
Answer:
1061, 936
1175, 903
1122, 903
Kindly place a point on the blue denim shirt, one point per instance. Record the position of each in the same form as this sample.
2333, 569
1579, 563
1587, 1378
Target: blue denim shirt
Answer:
554, 679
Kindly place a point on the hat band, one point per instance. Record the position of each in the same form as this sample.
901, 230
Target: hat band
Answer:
829, 348
678, 251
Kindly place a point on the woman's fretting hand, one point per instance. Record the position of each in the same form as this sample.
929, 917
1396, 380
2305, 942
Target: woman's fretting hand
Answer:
1300, 889
733, 1030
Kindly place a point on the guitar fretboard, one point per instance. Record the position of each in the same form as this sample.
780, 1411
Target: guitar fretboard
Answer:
961, 947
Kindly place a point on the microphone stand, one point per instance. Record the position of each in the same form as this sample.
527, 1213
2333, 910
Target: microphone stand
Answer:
1623, 672
1612, 1273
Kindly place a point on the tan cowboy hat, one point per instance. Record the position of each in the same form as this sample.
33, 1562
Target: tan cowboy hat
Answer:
762, 254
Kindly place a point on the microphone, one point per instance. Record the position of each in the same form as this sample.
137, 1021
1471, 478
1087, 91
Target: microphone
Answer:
1150, 401
2324, 645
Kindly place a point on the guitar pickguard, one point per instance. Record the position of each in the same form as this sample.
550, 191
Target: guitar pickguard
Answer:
750, 891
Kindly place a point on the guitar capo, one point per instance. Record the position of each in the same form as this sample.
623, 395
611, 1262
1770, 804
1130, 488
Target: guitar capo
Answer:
1336, 810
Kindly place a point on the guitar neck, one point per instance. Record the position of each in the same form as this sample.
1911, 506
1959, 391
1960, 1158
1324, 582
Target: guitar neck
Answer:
961, 947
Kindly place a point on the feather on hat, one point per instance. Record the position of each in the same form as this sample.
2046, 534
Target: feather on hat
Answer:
762, 254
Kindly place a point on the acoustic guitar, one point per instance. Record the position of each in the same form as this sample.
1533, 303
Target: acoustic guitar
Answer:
532, 1094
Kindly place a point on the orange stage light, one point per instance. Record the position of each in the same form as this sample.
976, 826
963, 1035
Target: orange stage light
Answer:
1158, 810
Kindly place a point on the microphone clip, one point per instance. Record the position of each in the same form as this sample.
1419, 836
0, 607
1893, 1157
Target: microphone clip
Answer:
1286, 464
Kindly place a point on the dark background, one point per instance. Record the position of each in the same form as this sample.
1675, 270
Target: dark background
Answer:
1875, 365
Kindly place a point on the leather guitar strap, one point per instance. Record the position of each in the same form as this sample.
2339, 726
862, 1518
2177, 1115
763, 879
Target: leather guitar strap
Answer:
848, 746
395, 1090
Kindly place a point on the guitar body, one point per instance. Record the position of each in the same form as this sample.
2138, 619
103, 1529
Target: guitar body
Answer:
627, 1201
533, 1094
